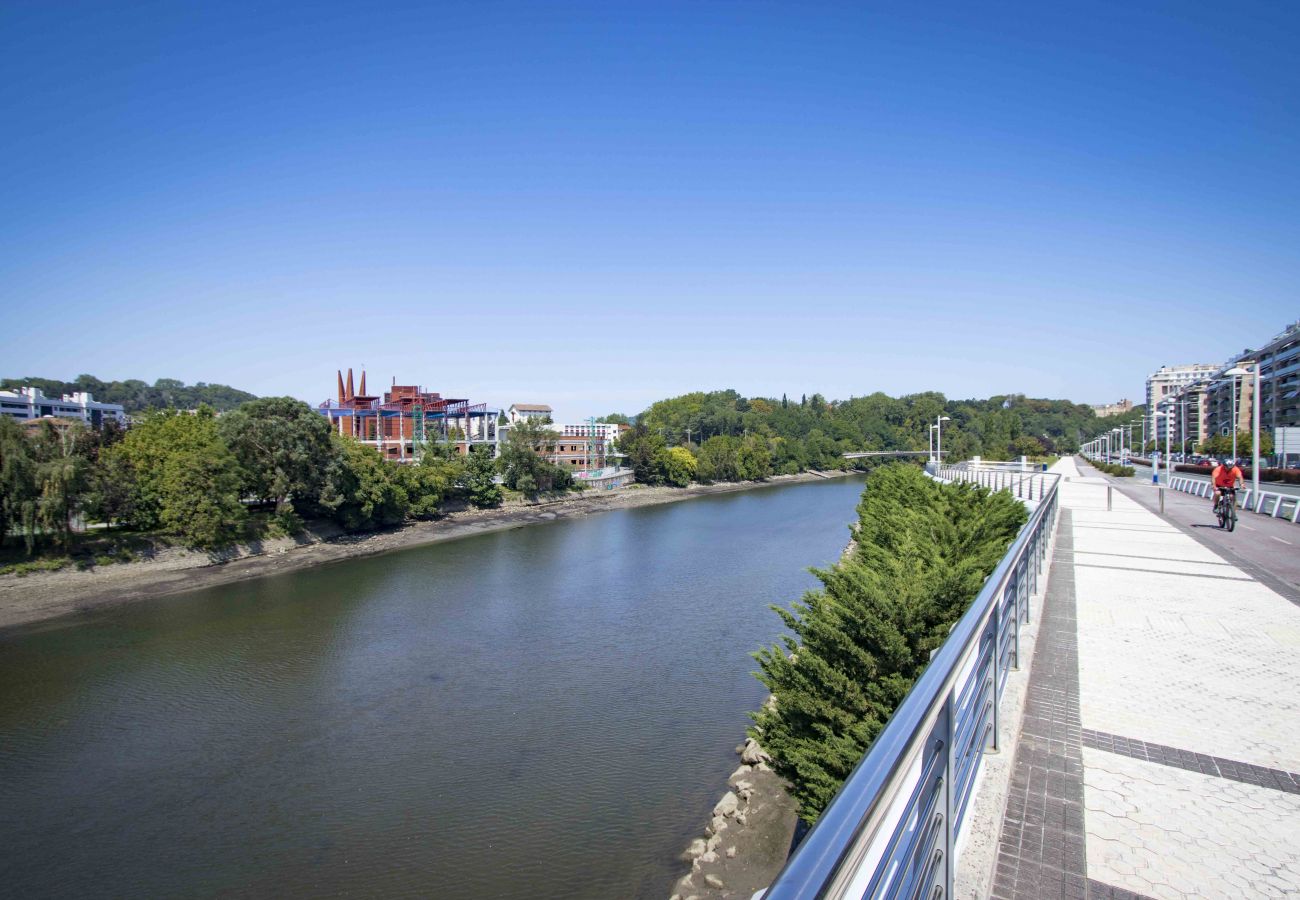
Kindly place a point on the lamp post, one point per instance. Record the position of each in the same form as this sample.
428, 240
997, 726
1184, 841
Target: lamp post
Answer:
1155, 456
938, 444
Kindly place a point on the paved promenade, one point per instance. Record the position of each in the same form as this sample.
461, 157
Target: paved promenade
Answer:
1159, 754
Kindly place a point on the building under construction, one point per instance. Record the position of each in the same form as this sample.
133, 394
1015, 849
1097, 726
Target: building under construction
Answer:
400, 422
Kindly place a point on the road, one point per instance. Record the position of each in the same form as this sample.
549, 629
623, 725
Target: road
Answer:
1268, 549
1142, 475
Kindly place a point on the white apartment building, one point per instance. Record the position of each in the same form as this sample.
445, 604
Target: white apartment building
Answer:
1169, 380
519, 411
31, 403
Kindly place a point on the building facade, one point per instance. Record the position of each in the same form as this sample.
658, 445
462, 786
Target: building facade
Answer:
31, 403
406, 417
1169, 380
520, 411
1106, 410
1279, 387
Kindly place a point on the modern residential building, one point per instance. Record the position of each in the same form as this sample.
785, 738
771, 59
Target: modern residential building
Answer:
28, 403
518, 411
1106, 410
1190, 409
1171, 379
1279, 388
400, 422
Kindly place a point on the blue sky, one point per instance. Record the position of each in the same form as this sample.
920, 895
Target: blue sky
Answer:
601, 204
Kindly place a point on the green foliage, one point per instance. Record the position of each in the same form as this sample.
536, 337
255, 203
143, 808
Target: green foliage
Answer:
362, 490
480, 480
523, 465
138, 396
181, 477
1220, 445
17, 483
643, 449
923, 551
718, 459
1112, 469
816, 432
677, 466
200, 497
283, 448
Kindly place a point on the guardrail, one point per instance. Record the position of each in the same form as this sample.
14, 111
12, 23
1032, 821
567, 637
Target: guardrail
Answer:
1246, 498
892, 829
1026, 484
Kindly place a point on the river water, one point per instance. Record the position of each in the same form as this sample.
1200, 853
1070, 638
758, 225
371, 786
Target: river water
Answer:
544, 712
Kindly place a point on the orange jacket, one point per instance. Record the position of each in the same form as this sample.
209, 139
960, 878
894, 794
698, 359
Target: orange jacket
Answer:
1226, 477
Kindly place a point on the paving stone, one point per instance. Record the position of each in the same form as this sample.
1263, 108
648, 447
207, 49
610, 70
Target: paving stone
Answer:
1160, 746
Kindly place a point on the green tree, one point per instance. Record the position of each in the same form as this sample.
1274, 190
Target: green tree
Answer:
753, 458
284, 450
643, 449
677, 466
200, 497
480, 480
719, 459
858, 644
62, 467
362, 490
523, 464
18, 490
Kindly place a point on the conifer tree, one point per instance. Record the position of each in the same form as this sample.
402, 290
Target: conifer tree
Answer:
857, 645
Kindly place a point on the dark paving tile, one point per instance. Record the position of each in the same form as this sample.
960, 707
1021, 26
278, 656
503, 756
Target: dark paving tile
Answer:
1041, 848
1231, 769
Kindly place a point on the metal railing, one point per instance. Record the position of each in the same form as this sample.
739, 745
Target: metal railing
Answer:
1025, 484
892, 828
1267, 503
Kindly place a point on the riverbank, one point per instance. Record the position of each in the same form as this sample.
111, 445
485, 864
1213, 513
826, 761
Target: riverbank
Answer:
43, 596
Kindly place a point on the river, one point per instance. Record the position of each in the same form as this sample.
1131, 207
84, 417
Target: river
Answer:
544, 712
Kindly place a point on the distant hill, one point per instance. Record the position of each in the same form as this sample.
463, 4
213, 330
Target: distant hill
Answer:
138, 396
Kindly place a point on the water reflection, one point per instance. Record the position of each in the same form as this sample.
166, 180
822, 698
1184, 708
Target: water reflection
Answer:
545, 712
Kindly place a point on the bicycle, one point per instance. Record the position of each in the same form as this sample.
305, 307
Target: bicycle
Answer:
1225, 508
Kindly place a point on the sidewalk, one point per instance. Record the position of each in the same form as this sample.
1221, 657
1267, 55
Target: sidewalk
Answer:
1159, 754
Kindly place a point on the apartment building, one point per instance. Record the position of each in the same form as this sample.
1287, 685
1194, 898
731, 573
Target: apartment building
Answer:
29, 403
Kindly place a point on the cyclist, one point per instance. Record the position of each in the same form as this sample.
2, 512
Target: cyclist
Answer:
1226, 475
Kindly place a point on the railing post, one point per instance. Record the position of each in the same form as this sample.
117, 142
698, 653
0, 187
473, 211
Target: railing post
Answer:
996, 619
1015, 633
1108, 499
1162, 501
949, 794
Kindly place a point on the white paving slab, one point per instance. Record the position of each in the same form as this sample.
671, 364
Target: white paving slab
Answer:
1170, 833
1178, 647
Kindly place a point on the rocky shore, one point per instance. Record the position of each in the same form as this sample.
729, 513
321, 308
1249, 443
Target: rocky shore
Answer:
48, 595
748, 836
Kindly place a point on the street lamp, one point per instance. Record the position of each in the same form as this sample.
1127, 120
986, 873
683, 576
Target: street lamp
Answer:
938, 444
1155, 456
1236, 372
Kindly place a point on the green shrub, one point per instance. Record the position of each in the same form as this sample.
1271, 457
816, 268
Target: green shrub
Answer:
923, 551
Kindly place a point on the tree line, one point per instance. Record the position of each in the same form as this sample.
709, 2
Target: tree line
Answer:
922, 552
259, 470
137, 396
730, 437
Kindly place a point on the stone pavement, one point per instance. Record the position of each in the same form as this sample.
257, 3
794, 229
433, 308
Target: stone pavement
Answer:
1159, 756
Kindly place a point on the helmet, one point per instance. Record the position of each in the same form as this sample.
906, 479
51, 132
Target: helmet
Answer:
1229, 462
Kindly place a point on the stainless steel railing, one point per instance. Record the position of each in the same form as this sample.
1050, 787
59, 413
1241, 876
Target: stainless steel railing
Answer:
892, 828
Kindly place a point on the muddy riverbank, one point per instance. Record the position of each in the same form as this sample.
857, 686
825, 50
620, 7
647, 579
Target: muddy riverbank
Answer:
49, 595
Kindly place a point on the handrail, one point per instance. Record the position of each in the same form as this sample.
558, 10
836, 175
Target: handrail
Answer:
872, 835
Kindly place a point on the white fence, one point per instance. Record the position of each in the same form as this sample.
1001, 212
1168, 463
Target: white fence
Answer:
1268, 503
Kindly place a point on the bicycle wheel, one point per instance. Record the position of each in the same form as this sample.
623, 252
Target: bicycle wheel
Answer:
1220, 515
1232, 516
